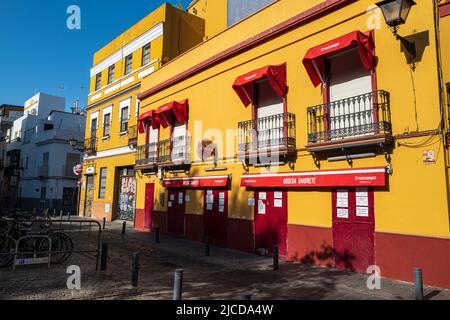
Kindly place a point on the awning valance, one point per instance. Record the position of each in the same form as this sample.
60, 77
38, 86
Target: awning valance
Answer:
314, 60
370, 177
276, 75
147, 118
197, 182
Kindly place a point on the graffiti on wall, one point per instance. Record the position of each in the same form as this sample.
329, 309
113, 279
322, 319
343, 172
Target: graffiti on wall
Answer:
127, 198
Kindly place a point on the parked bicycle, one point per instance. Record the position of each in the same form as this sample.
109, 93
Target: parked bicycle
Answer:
19, 230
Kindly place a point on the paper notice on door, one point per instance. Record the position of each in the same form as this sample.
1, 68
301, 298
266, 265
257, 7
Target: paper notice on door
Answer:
222, 195
221, 202
172, 197
180, 198
209, 192
251, 202
362, 201
170, 204
209, 207
210, 199
263, 196
261, 207
362, 192
342, 213
342, 194
342, 203
221, 209
278, 195
362, 211
187, 198
278, 203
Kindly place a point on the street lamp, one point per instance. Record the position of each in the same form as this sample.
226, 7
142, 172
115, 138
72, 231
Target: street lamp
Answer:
396, 13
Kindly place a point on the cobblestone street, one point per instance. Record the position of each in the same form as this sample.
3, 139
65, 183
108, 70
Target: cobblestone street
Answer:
224, 275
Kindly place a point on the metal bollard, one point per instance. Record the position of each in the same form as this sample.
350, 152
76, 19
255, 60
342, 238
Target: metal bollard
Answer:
124, 227
104, 223
68, 216
178, 285
418, 281
276, 258
60, 215
134, 269
104, 257
157, 231
54, 213
207, 247
245, 296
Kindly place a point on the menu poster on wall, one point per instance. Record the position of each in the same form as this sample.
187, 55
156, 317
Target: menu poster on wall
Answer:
209, 207
180, 198
209, 192
187, 198
221, 202
221, 209
263, 196
342, 213
172, 197
362, 211
342, 194
210, 198
170, 204
342, 203
362, 192
362, 201
251, 202
261, 207
278, 195
222, 195
278, 203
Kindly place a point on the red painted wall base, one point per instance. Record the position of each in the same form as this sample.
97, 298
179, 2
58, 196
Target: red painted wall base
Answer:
241, 235
194, 227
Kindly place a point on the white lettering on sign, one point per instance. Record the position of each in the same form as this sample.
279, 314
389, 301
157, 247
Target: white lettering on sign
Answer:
303, 181
331, 46
366, 178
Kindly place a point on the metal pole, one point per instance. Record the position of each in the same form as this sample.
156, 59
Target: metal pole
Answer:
104, 223
245, 296
124, 227
135, 269
104, 257
276, 258
418, 280
157, 231
178, 284
207, 247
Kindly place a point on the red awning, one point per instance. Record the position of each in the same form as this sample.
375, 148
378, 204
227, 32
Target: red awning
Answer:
145, 119
276, 75
314, 60
197, 182
168, 113
371, 177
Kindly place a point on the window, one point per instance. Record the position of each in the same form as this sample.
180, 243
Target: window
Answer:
106, 124
128, 64
102, 184
241, 9
43, 193
48, 126
146, 55
124, 119
98, 81
111, 72
70, 196
179, 142
94, 127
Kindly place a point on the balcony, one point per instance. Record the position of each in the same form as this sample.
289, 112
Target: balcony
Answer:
132, 136
90, 145
147, 156
273, 136
354, 122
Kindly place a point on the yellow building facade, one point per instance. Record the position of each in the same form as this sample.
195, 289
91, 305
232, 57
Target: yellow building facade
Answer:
109, 181
307, 126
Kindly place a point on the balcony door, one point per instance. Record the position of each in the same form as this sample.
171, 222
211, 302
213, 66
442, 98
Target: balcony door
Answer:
179, 142
350, 85
152, 147
269, 117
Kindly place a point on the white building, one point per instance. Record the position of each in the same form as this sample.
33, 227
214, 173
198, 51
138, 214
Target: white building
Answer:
41, 157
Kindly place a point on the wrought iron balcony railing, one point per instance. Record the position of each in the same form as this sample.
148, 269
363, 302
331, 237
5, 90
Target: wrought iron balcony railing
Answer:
267, 133
175, 150
147, 154
90, 145
132, 135
358, 116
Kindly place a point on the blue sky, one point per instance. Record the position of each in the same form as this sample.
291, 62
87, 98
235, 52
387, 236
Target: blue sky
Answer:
39, 54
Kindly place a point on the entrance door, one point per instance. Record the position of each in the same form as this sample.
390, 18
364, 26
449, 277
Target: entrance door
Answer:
127, 195
216, 216
354, 228
271, 222
89, 196
175, 212
149, 200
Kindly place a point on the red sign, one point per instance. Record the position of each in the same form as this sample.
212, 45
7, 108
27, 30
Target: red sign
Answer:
197, 182
375, 177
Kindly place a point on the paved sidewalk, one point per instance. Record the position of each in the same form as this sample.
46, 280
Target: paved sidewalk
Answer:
224, 275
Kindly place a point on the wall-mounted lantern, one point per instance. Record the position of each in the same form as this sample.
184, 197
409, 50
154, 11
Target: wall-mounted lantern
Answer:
396, 13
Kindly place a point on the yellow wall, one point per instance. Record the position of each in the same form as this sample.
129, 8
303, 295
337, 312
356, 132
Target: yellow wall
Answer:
415, 201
